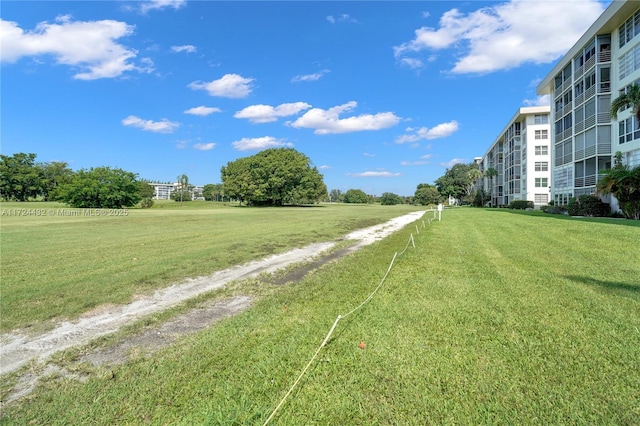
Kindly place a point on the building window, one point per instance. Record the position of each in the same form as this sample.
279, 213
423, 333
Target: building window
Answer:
629, 62
563, 199
541, 198
542, 166
628, 130
590, 80
590, 51
579, 88
541, 119
542, 182
542, 134
629, 29
542, 150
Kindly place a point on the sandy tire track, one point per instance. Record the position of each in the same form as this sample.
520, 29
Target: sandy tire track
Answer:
16, 350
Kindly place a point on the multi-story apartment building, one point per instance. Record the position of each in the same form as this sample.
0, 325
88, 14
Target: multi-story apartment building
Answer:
520, 157
598, 68
162, 191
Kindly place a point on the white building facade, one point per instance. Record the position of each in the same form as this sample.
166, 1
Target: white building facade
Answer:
597, 69
521, 158
162, 191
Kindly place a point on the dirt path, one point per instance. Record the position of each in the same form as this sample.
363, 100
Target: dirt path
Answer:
17, 350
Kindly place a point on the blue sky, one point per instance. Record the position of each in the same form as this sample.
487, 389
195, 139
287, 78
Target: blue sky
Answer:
381, 96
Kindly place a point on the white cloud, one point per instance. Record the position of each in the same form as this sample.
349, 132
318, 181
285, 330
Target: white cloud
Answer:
412, 63
453, 162
229, 86
247, 144
341, 18
88, 45
162, 126
328, 121
374, 174
181, 144
202, 110
507, 35
544, 100
423, 160
368, 154
185, 48
310, 77
146, 6
147, 65
267, 113
324, 167
440, 131
204, 146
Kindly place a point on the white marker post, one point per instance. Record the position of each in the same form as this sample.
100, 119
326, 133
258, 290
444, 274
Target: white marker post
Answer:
440, 207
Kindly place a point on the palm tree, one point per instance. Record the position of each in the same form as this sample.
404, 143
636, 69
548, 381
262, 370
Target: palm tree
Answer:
623, 183
183, 181
491, 173
632, 98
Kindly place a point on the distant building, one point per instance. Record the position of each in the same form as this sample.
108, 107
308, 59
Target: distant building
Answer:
520, 157
162, 191
599, 67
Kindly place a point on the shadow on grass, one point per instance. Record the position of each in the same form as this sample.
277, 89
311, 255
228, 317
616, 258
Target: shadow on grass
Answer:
619, 288
537, 213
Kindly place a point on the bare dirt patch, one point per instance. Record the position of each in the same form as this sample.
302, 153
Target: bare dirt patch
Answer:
18, 350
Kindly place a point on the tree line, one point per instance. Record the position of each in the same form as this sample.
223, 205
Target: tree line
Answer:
24, 179
274, 177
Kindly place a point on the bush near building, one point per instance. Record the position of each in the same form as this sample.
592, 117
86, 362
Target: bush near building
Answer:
551, 209
521, 205
588, 205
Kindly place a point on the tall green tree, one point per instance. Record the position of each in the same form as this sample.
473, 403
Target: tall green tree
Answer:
213, 191
183, 188
180, 196
101, 187
145, 190
274, 176
631, 97
20, 177
55, 174
426, 195
335, 195
458, 181
146, 193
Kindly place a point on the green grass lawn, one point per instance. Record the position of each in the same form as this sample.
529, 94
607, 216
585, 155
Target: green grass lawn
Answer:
495, 317
72, 260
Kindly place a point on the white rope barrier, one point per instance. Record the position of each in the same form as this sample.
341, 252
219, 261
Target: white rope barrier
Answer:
324, 342
335, 323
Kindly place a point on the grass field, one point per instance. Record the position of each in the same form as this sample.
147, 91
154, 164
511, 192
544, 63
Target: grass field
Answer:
67, 261
495, 317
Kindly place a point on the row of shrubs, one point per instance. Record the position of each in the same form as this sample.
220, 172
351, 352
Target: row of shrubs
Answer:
584, 205
520, 205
